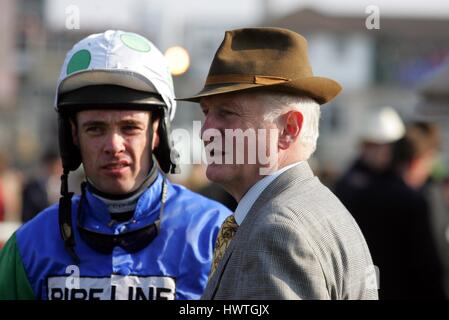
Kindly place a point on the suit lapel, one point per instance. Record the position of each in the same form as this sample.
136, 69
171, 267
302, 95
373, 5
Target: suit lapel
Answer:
293, 175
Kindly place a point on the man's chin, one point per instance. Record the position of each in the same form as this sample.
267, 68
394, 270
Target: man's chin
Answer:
218, 172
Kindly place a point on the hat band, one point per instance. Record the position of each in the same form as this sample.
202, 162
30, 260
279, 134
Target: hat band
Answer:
240, 78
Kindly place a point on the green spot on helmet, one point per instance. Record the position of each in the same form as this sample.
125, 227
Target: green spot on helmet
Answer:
135, 42
79, 61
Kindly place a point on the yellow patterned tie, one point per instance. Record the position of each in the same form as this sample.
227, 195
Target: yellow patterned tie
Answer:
227, 232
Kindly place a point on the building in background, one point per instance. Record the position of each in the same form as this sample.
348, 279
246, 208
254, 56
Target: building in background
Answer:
8, 73
376, 67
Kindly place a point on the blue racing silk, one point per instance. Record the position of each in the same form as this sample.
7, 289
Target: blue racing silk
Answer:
175, 265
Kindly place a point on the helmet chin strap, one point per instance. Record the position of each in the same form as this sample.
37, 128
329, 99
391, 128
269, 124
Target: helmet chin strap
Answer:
65, 217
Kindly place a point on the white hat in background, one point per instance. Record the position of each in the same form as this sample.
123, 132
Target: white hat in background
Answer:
382, 126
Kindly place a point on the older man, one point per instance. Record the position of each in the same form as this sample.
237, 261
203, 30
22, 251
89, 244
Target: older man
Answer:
291, 237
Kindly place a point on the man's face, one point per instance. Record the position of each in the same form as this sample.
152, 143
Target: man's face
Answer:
226, 113
376, 155
115, 147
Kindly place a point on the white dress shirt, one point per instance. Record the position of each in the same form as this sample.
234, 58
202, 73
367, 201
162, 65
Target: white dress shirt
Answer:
255, 191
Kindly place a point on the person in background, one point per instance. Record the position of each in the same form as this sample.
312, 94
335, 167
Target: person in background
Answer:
10, 200
2, 198
41, 191
380, 128
394, 215
11, 181
418, 171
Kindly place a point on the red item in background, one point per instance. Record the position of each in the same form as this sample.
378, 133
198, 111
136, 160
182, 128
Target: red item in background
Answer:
2, 204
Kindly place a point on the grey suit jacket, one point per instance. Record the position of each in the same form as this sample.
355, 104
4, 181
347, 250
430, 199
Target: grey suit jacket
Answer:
297, 242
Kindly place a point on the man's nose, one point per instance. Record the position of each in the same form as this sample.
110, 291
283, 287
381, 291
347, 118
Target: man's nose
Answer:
115, 143
208, 124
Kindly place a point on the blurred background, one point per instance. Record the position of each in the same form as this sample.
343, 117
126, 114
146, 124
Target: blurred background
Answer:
384, 53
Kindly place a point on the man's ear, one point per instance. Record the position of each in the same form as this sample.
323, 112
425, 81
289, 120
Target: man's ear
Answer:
74, 130
292, 126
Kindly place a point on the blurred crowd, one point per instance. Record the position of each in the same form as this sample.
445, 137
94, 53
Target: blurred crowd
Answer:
24, 194
399, 197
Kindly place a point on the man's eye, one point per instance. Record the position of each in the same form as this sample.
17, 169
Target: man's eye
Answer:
94, 129
225, 112
205, 111
130, 128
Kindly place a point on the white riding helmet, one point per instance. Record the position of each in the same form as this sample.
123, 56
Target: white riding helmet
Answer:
115, 70
382, 126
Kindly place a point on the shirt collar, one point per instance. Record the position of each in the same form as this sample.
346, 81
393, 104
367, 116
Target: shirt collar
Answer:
255, 191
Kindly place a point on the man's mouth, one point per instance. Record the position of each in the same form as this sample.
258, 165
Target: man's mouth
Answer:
115, 168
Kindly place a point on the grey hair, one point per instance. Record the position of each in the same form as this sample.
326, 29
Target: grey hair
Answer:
277, 104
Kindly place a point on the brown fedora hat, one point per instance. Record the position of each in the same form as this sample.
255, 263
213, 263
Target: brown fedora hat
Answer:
272, 59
